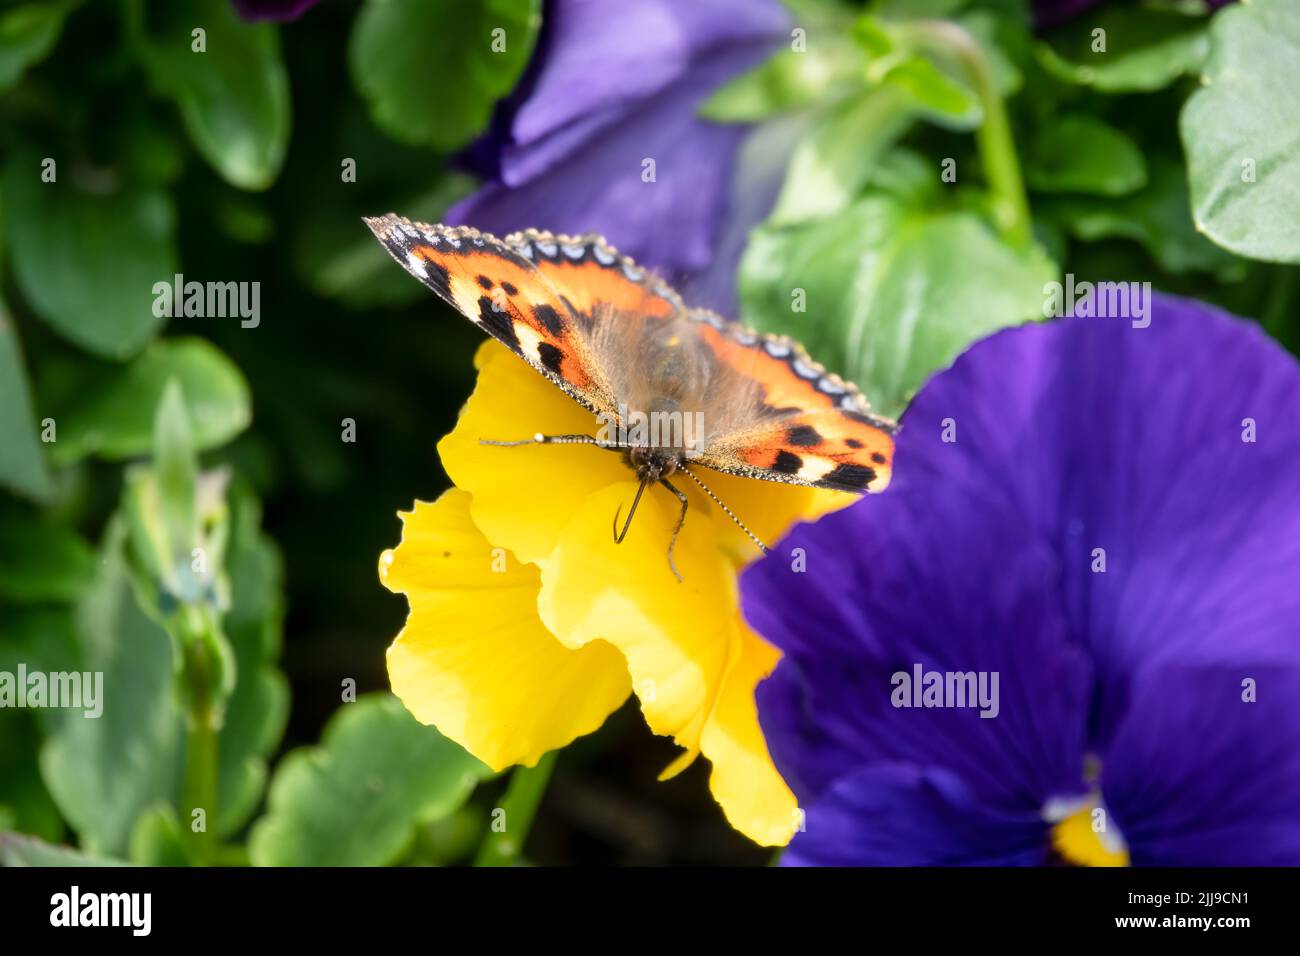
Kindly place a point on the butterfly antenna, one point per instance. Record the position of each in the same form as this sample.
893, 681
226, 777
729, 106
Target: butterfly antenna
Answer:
729, 513
620, 535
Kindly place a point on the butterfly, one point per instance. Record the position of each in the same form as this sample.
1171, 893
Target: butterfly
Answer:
673, 386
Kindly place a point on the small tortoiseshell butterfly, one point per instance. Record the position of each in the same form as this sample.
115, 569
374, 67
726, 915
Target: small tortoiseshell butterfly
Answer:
622, 344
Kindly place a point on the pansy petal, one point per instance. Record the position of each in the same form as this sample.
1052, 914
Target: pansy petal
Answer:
678, 638
899, 815
668, 222
1205, 766
744, 780
868, 603
273, 9
474, 659
1156, 460
523, 496
631, 57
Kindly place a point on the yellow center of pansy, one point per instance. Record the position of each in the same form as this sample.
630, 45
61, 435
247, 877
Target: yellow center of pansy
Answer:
528, 625
1086, 838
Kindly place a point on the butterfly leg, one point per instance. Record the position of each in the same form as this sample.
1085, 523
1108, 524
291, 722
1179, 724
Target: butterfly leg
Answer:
681, 520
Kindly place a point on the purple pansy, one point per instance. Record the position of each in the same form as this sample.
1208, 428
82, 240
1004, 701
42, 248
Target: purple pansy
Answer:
1105, 516
1049, 13
273, 9
608, 92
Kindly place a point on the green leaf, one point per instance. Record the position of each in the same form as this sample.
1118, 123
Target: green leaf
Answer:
1158, 216
41, 635
891, 292
917, 8
234, 96
27, 35
104, 772
159, 840
41, 560
832, 164
1003, 38
22, 466
936, 96
1138, 49
791, 79
25, 804
356, 799
257, 711
1078, 153
431, 70
19, 850
1240, 129
176, 468
109, 410
86, 257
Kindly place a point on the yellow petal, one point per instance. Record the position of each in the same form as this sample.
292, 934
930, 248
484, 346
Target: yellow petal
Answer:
692, 664
474, 659
678, 638
524, 496
744, 781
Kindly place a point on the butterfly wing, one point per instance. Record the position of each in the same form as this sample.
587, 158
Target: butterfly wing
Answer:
582, 315
498, 286
594, 278
794, 422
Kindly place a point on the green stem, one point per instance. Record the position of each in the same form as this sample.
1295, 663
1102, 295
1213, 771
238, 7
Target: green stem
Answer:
199, 787
1277, 310
505, 847
997, 148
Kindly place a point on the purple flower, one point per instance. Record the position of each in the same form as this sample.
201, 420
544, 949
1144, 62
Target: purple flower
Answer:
606, 96
273, 9
1049, 13
1105, 517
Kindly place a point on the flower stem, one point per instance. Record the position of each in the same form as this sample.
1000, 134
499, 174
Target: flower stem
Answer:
997, 148
1277, 308
505, 847
199, 786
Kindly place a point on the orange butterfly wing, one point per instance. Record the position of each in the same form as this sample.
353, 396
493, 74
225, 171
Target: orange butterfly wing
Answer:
542, 296
812, 428
499, 287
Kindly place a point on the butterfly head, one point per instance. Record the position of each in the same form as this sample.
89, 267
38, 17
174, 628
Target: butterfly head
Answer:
654, 464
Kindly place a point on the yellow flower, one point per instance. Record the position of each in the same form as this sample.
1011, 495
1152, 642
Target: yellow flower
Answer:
528, 625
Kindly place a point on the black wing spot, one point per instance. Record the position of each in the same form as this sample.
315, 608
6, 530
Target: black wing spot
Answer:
437, 279
787, 463
485, 282
552, 357
803, 436
549, 318
509, 288
878, 458
853, 443
849, 477
497, 322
